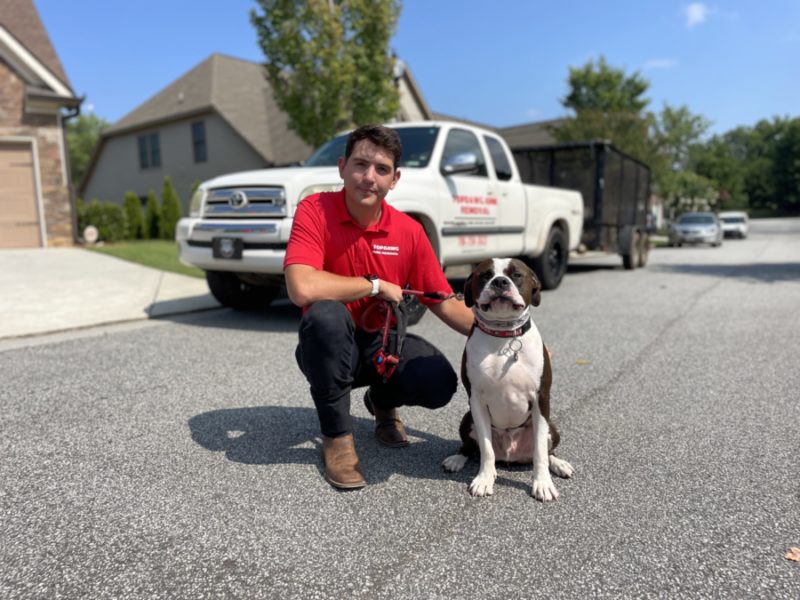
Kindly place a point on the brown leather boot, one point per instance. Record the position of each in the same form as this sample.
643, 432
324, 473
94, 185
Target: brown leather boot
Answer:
342, 469
388, 427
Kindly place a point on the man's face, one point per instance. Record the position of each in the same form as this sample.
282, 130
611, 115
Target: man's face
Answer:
368, 174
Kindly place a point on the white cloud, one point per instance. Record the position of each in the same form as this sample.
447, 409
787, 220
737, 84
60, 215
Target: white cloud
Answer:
660, 63
696, 14
532, 113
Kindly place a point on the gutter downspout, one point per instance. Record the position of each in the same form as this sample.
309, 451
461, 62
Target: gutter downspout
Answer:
71, 113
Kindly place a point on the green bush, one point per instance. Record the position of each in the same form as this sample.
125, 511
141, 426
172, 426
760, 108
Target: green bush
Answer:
152, 217
80, 213
109, 218
134, 217
170, 210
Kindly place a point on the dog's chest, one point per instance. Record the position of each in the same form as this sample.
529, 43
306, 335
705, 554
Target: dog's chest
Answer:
505, 374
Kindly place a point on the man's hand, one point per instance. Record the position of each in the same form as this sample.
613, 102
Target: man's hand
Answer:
390, 292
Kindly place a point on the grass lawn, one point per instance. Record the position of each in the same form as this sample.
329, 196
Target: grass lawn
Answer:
158, 254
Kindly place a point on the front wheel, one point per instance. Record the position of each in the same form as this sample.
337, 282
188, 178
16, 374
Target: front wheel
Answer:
234, 293
551, 265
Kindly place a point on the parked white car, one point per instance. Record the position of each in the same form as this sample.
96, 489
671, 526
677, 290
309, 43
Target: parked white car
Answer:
734, 223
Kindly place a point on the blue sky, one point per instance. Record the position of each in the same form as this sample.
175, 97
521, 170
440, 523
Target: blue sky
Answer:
500, 62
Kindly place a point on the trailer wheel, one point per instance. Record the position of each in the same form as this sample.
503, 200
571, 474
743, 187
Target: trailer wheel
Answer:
644, 249
234, 293
630, 259
551, 264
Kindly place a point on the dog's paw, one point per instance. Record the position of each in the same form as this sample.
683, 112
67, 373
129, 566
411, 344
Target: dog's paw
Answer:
482, 485
454, 463
561, 467
544, 490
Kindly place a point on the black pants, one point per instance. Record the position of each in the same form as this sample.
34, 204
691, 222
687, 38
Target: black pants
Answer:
336, 357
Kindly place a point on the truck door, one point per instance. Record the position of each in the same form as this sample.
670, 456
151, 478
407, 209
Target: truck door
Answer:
510, 197
471, 218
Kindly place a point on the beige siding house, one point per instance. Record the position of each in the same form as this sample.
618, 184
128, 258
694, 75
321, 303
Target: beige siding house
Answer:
36, 208
218, 118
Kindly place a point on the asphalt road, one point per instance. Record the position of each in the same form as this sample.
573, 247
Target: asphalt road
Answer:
180, 458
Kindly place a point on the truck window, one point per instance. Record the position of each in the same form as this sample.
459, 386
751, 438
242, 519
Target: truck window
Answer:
502, 168
417, 145
460, 141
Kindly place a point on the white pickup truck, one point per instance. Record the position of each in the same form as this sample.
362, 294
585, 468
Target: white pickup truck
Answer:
460, 182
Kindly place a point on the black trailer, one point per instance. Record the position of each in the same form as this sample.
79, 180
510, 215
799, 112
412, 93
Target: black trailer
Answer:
615, 189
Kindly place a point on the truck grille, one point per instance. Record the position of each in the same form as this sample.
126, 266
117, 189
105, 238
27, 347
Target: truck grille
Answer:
245, 203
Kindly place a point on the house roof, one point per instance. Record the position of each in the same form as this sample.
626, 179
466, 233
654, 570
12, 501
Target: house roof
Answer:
530, 134
21, 19
238, 91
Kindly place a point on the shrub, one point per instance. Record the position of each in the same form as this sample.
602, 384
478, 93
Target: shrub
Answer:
109, 218
152, 217
170, 210
133, 217
80, 213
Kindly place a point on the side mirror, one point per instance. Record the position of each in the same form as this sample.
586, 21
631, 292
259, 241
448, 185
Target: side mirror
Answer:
463, 163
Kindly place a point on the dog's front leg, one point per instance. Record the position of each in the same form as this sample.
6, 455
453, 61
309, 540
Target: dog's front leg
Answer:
483, 484
543, 488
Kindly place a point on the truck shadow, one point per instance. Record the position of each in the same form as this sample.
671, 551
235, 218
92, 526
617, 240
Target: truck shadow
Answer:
279, 435
752, 272
280, 316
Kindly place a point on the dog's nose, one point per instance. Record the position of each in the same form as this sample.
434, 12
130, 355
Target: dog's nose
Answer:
501, 283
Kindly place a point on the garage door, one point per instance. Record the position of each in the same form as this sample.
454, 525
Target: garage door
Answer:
19, 215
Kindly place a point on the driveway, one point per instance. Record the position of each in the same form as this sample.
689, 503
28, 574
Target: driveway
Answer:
57, 289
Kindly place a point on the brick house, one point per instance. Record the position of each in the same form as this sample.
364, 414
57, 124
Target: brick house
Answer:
36, 208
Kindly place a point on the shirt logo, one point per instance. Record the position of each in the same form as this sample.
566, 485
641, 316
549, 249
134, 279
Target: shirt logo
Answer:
386, 250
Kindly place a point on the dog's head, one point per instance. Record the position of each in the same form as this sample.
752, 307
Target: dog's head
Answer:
502, 288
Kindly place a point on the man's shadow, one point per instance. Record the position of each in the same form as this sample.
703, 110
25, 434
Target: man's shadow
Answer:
281, 435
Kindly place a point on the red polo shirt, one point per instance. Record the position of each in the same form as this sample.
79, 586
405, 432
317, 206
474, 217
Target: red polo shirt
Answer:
326, 237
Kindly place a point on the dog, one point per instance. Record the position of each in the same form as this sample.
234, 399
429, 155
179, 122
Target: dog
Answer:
506, 371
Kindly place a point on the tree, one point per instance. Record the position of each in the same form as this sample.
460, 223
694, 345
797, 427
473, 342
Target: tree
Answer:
134, 221
610, 105
83, 133
601, 88
328, 62
170, 210
676, 131
152, 217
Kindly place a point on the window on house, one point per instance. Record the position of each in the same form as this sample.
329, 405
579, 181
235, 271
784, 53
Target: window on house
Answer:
199, 141
149, 151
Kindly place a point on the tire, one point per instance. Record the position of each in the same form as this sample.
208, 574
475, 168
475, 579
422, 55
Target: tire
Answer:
644, 249
415, 310
232, 292
551, 265
630, 259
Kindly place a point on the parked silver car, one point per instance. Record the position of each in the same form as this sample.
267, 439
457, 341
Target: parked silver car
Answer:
734, 223
696, 228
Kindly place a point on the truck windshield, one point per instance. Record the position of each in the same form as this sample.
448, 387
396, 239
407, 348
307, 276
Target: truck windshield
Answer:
417, 148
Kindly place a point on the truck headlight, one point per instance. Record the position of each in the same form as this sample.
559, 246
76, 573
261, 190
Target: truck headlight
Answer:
196, 204
319, 188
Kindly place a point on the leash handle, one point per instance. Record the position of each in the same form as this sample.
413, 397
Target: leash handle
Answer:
433, 295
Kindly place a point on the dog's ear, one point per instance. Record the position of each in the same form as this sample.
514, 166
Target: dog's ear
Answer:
533, 294
536, 296
468, 299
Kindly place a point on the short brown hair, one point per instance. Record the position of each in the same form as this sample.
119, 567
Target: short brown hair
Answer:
380, 135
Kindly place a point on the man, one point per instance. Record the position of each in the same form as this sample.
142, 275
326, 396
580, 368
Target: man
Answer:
348, 251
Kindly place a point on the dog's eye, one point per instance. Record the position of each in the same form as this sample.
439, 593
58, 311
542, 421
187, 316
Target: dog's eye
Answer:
516, 276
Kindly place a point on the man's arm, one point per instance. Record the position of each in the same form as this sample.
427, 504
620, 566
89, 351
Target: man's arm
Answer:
306, 285
455, 314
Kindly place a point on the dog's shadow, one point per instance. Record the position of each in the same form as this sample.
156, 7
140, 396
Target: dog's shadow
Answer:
275, 435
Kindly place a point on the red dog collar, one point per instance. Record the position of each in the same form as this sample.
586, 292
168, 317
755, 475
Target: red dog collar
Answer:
505, 333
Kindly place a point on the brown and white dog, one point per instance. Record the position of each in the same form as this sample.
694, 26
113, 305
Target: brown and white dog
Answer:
506, 371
